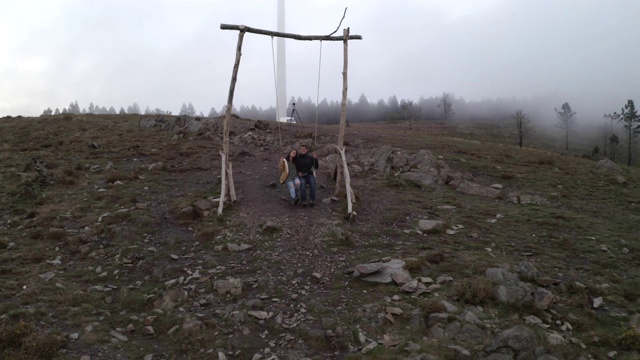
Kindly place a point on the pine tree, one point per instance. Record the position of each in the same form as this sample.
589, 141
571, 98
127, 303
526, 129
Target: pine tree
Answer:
135, 109
183, 109
629, 118
191, 111
566, 122
523, 125
445, 104
394, 106
74, 108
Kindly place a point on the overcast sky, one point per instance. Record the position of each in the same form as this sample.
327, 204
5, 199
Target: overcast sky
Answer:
162, 53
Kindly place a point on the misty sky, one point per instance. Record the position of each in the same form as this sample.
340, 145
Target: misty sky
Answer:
162, 53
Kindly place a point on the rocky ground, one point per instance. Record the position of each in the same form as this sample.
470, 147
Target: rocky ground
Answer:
112, 248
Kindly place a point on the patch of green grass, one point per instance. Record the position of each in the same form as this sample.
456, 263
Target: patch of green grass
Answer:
13, 334
207, 231
630, 340
22, 339
338, 237
380, 352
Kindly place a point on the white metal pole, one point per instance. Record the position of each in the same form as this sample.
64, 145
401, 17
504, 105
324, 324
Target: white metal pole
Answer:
282, 65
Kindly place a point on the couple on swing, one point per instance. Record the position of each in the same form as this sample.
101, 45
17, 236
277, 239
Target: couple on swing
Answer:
297, 170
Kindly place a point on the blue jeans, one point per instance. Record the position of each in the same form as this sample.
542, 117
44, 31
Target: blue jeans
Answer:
294, 187
311, 180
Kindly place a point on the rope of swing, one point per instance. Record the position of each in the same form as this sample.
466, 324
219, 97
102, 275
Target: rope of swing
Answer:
275, 82
315, 137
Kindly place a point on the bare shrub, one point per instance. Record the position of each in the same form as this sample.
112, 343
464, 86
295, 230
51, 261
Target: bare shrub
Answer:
415, 264
114, 176
630, 340
43, 346
430, 306
13, 334
436, 258
473, 290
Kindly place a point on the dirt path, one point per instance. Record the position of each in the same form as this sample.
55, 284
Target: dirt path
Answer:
298, 247
291, 268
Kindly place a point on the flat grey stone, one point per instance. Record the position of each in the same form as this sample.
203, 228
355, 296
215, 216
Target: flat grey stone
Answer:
366, 269
384, 274
430, 226
401, 277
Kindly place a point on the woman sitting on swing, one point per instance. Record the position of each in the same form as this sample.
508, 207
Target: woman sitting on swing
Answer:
289, 176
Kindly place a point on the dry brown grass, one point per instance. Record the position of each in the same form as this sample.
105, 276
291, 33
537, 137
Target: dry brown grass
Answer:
414, 264
431, 305
436, 257
475, 290
118, 175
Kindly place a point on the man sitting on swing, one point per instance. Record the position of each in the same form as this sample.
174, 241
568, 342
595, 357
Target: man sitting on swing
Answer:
305, 164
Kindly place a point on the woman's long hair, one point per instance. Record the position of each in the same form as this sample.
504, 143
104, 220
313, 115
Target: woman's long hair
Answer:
288, 157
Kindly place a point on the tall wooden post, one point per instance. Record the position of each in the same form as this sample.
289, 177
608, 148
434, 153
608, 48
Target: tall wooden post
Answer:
223, 181
343, 109
227, 119
343, 169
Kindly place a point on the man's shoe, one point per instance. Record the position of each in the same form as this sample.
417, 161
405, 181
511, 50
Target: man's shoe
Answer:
304, 204
293, 201
312, 202
296, 201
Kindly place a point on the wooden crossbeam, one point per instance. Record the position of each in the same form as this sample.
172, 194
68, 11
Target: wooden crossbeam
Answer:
287, 35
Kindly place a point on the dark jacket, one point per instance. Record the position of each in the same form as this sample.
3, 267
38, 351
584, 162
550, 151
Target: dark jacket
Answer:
305, 163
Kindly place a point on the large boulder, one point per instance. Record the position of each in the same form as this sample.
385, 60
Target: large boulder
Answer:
231, 286
471, 188
608, 165
514, 293
500, 276
421, 168
425, 179
519, 338
384, 273
181, 123
430, 226
171, 299
543, 299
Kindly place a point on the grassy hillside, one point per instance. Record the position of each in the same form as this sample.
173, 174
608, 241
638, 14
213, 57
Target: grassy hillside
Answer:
100, 256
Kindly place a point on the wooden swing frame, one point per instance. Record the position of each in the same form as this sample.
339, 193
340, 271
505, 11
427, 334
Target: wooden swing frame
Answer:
227, 173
